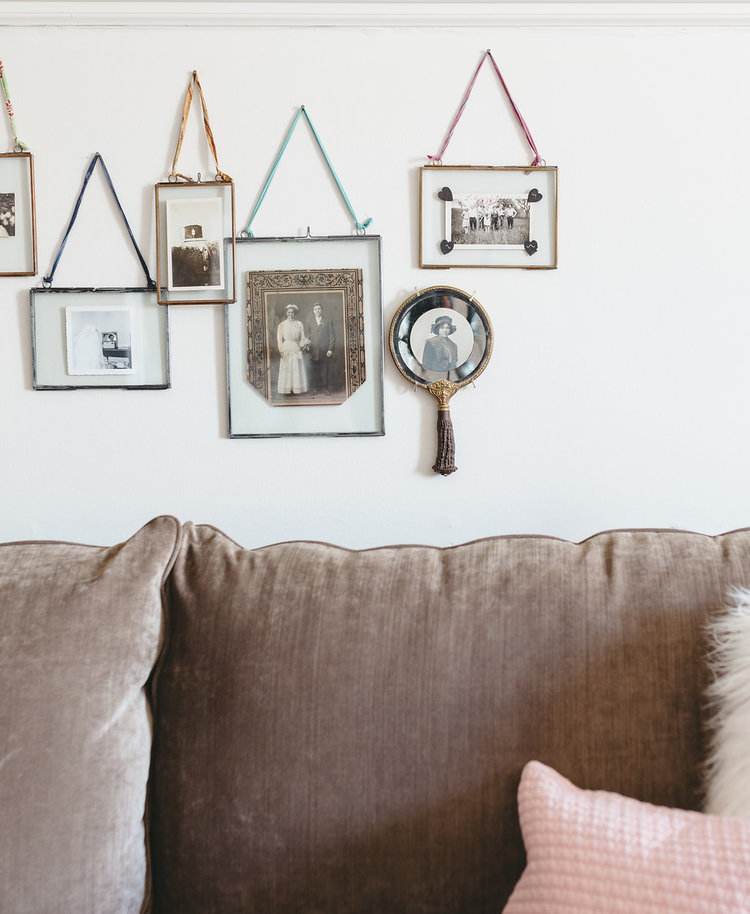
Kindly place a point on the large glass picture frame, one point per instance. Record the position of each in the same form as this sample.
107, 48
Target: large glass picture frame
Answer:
304, 339
99, 338
17, 215
488, 216
195, 247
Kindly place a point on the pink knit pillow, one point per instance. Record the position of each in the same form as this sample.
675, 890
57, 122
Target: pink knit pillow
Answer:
590, 852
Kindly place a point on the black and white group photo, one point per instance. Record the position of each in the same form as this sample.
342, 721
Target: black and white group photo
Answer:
488, 220
194, 236
99, 341
7, 215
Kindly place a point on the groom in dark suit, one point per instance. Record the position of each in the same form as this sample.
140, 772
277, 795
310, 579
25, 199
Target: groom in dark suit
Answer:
322, 342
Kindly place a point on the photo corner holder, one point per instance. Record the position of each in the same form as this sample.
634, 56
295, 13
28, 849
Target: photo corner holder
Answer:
291, 370
488, 216
195, 227
17, 201
101, 338
441, 340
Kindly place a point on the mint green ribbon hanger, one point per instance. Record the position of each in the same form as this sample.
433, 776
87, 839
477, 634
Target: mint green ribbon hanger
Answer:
361, 226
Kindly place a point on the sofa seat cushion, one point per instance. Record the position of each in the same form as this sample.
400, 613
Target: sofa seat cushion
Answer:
81, 628
593, 850
343, 732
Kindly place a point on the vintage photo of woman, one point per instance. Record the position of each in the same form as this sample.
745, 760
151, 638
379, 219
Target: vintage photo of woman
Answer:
292, 342
440, 352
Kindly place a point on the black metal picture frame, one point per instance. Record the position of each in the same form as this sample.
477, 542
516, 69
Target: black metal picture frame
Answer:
94, 338
283, 279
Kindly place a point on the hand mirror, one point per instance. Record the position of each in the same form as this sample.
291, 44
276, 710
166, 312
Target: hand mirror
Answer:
441, 340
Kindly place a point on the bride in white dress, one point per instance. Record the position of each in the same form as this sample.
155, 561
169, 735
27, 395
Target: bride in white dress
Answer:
292, 342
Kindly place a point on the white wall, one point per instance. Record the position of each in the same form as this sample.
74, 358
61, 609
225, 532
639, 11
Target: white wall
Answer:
619, 388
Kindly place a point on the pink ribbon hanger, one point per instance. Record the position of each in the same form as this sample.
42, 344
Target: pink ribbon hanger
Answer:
437, 159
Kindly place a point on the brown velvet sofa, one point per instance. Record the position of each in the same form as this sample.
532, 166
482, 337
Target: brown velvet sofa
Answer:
192, 727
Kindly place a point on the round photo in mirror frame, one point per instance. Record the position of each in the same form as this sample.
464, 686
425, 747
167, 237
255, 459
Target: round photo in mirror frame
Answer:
441, 339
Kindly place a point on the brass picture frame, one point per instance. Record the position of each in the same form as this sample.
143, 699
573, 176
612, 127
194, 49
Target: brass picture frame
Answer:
488, 216
195, 249
17, 215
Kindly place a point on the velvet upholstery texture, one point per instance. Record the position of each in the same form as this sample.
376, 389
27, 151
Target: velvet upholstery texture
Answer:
344, 732
80, 632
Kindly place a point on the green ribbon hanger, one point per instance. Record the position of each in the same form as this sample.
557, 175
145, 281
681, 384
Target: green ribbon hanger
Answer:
361, 226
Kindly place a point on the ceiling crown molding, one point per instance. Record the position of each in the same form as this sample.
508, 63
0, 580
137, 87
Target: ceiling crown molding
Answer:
380, 13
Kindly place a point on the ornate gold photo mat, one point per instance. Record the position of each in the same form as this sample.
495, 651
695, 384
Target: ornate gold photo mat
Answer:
305, 329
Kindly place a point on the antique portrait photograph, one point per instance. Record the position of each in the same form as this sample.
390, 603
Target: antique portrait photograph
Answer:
7, 215
442, 340
488, 220
99, 340
195, 258
305, 342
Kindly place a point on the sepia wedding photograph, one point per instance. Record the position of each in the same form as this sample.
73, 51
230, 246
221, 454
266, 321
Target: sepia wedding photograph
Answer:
194, 239
99, 341
305, 336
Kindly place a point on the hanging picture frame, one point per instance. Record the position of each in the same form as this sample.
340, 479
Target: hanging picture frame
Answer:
17, 202
99, 338
502, 216
304, 340
492, 216
195, 231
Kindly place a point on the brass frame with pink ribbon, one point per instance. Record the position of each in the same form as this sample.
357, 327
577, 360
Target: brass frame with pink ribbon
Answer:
492, 216
195, 227
17, 201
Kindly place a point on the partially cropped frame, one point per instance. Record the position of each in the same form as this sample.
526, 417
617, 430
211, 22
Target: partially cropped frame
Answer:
195, 243
494, 216
17, 215
305, 338
99, 338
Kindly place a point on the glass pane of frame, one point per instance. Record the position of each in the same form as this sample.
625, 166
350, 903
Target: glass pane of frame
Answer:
305, 338
195, 243
488, 216
99, 338
17, 215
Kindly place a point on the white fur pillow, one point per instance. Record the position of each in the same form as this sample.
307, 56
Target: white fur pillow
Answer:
728, 766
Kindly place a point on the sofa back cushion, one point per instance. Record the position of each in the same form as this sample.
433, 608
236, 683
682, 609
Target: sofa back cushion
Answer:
343, 732
80, 632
